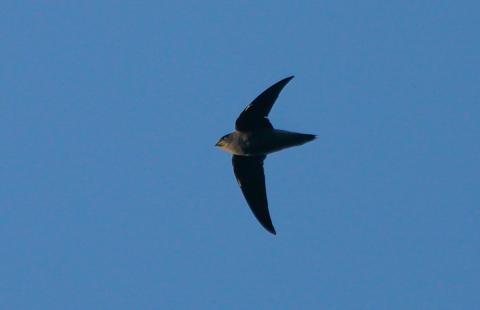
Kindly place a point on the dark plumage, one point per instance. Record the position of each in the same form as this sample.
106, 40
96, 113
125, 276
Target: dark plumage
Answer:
252, 140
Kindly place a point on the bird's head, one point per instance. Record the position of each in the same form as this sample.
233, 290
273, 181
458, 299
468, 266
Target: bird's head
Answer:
224, 141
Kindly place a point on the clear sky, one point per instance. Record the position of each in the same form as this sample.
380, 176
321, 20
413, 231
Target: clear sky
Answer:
113, 196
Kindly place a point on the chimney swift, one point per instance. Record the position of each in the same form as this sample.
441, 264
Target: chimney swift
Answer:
254, 137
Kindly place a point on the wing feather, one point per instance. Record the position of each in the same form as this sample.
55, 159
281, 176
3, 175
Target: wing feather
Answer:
254, 117
251, 178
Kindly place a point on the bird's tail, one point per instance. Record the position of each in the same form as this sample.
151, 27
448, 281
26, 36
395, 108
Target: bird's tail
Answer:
305, 137
284, 139
296, 138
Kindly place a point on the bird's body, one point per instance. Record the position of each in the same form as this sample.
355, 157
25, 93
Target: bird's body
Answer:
254, 137
263, 142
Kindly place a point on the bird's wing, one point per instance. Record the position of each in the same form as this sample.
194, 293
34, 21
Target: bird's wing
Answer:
254, 117
249, 173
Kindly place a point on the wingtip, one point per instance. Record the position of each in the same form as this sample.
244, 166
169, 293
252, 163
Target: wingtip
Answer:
268, 226
284, 81
271, 230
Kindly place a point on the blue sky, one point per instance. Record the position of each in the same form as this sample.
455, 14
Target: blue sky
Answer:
113, 196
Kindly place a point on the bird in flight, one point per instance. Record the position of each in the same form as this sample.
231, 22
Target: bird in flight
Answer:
254, 137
